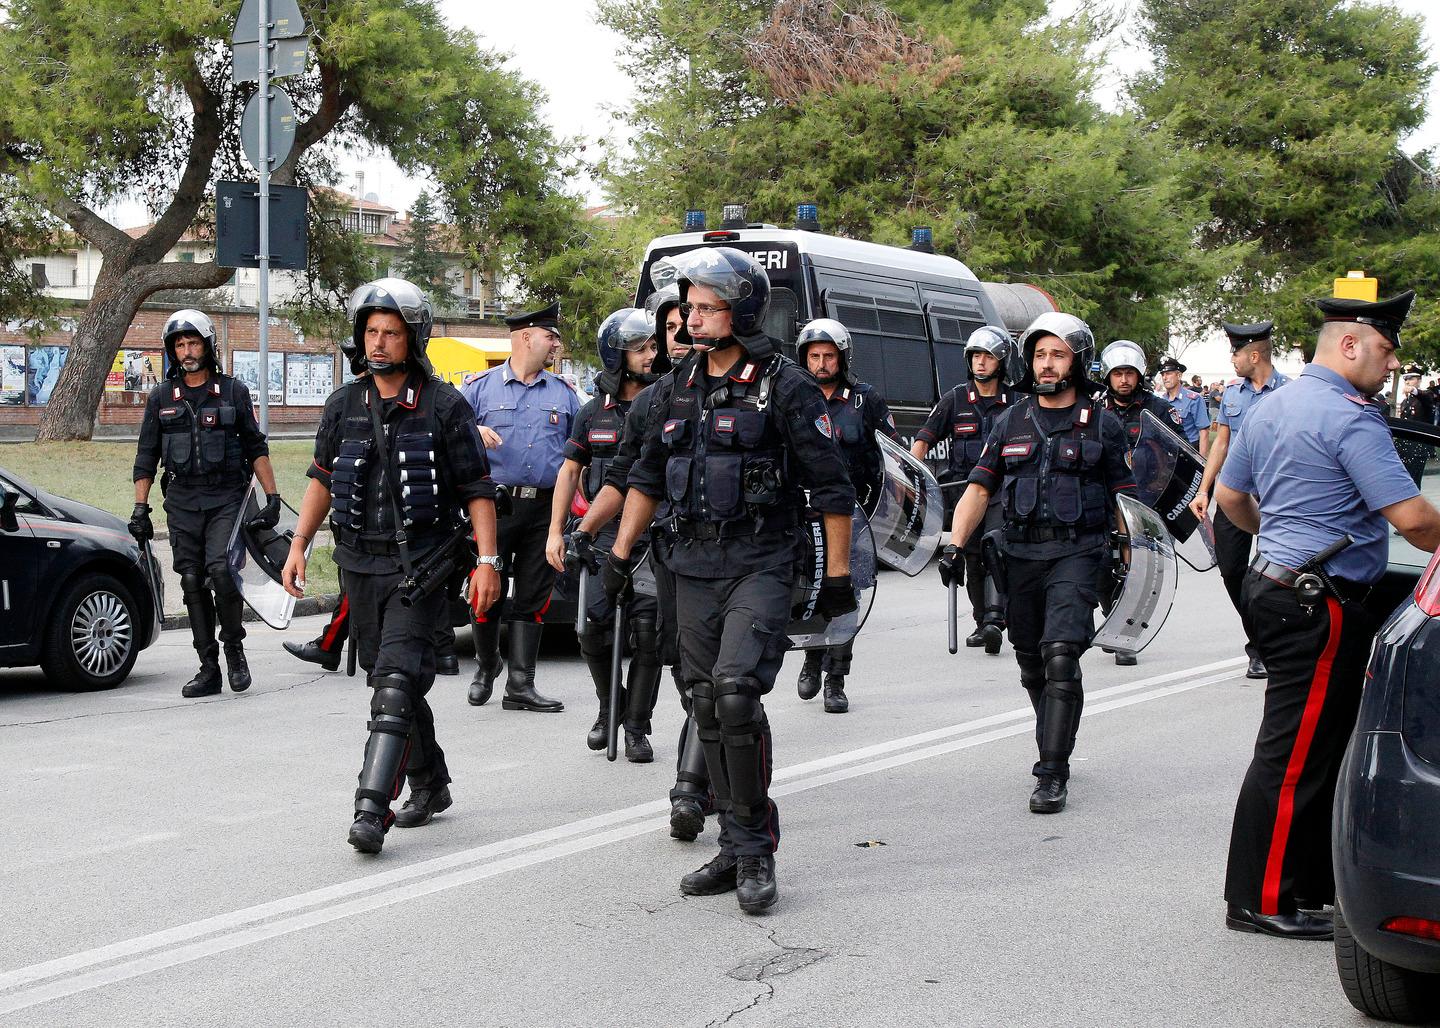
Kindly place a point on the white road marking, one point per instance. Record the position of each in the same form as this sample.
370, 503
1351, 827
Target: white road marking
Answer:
232, 930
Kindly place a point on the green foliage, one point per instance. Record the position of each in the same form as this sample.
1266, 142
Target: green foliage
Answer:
1292, 115
992, 141
420, 259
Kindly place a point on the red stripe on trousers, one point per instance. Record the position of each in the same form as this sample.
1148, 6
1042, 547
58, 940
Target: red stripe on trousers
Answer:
337, 623
1285, 811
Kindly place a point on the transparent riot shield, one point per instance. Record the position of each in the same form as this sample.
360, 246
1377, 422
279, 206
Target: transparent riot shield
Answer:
1148, 591
810, 630
909, 514
257, 557
1168, 472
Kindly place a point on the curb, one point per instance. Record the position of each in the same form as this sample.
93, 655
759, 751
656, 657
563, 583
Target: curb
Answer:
303, 608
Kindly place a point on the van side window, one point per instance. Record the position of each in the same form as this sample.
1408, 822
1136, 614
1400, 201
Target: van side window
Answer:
782, 319
950, 327
892, 351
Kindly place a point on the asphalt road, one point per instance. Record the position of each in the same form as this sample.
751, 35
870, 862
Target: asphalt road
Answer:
174, 862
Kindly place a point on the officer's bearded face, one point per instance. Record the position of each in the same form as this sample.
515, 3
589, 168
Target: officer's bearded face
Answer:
673, 324
1170, 380
387, 341
703, 326
1124, 382
823, 362
639, 362
1243, 360
190, 352
1052, 361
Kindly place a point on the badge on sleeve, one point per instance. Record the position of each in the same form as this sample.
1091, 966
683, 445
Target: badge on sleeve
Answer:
823, 424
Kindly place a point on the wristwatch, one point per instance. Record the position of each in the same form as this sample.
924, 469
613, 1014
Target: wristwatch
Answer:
493, 561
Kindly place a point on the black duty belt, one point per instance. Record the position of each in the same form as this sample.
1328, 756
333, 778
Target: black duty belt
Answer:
381, 546
530, 492
1285, 577
209, 478
1047, 533
710, 530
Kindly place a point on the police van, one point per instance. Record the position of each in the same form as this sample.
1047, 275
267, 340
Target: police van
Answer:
909, 310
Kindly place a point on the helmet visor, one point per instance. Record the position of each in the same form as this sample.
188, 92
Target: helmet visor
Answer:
708, 267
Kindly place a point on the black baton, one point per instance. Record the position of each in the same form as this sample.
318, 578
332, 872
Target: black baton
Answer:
617, 659
954, 618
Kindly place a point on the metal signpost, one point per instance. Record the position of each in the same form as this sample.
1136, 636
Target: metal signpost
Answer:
267, 130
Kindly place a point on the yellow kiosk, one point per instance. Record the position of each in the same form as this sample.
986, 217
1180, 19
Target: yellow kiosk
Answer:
454, 357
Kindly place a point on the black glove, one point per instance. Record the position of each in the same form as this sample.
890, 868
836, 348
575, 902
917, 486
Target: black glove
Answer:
837, 596
580, 552
952, 565
140, 525
617, 578
269, 515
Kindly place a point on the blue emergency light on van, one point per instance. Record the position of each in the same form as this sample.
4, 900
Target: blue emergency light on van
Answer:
922, 239
807, 217
694, 221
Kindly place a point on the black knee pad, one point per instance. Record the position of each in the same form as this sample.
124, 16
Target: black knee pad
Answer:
192, 582
702, 707
595, 641
1062, 661
222, 581
392, 706
1032, 669
742, 729
646, 634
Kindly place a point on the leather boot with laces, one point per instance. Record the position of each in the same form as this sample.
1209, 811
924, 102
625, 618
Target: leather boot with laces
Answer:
600, 730
714, 878
687, 819
367, 834
207, 680
1049, 796
236, 667
637, 748
808, 683
836, 701
424, 803
755, 887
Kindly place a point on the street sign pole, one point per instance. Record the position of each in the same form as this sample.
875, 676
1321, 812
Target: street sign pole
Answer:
263, 297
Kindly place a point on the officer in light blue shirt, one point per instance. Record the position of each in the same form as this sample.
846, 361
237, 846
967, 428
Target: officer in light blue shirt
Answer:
525, 415
1314, 463
1190, 405
1250, 355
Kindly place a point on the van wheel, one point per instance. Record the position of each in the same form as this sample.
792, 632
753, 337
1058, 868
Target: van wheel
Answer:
92, 640
1380, 989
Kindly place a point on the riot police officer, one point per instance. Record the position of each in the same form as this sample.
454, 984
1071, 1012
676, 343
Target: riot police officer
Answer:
525, 414
1251, 356
691, 799
963, 418
1122, 369
742, 431
1321, 461
201, 424
1194, 412
397, 456
857, 412
627, 351
1057, 459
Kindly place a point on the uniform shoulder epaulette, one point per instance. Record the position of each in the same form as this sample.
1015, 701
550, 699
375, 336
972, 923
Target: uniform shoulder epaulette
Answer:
475, 376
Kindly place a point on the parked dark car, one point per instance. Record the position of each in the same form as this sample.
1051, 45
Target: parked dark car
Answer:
1387, 804
78, 596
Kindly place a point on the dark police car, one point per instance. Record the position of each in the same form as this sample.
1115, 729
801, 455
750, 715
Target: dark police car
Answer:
1386, 838
78, 595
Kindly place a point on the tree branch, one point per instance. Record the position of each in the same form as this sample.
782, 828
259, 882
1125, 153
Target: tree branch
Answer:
105, 237
334, 102
204, 143
151, 278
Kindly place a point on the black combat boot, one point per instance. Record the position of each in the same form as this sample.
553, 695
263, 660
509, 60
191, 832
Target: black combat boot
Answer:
687, 818
367, 833
201, 607
595, 648
637, 747
207, 680
976, 638
755, 884
1049, 795
835, 699
993, 637
446, 663
520, 691
236, 667
642, 690
808, 684
424, 803
313, 652
714, 878
487, 655
230, 610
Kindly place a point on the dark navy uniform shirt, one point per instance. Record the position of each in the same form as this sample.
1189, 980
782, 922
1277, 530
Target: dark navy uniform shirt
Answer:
1322, 461
533, 421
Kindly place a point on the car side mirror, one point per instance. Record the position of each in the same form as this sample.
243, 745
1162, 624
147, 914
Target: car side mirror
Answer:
8, 500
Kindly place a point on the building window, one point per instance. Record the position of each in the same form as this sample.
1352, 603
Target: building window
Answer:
187, 258
38, 278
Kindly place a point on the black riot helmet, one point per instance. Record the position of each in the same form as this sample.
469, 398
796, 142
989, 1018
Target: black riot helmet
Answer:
826, 330
625, 330
189, 322
995, 342
660, 303
1070, 330
396, 296
734, 274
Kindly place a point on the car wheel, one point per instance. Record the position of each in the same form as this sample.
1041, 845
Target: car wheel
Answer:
1380, 989
92, 642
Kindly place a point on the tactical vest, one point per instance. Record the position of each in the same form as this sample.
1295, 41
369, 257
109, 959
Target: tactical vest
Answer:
970, 425
356, 501
200, 445
1056, 481
603, 439
726, 457
1130, 417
